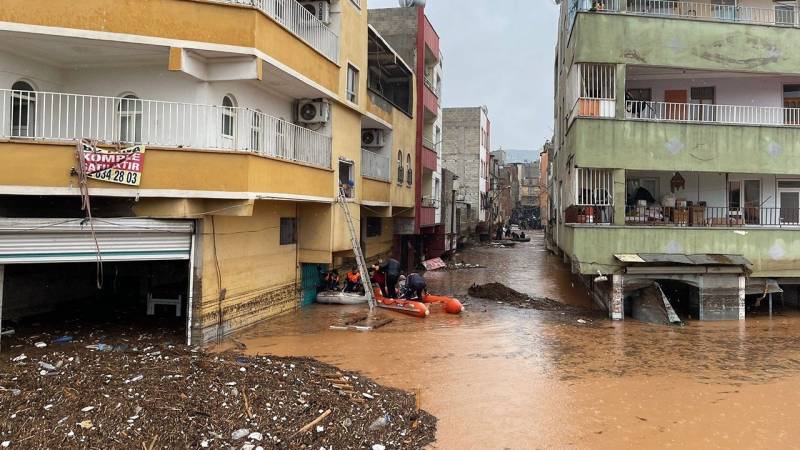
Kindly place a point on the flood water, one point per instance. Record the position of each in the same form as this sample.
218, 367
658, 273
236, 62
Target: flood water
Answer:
499, 377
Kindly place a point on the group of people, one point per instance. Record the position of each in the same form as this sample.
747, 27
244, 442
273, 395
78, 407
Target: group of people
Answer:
387, 274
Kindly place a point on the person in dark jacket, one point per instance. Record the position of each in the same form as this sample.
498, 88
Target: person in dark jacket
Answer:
390, 268
416, 287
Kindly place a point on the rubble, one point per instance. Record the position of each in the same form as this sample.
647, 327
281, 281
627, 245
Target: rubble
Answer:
156, 393
503, 294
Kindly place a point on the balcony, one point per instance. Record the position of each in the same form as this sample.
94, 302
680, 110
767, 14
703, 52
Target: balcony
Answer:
780, 15
703, 216
430, 159
427, 216
299, 21
717, 114
375, 166
431, 85
57, 117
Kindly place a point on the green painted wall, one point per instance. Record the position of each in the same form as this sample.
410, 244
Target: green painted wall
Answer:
631, 144
672, 42
773, 252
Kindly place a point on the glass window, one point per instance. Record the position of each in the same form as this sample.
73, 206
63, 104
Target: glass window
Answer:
23, 110
400, 170
410, 175
129, 111
374, 226
352, 84
288, 230
255, 130
228, 114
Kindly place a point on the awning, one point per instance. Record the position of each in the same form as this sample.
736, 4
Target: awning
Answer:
31, 241
705, 259
761, 286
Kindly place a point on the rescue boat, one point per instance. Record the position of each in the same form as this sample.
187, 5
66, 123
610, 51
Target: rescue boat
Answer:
451, 305
410, 307
340, 298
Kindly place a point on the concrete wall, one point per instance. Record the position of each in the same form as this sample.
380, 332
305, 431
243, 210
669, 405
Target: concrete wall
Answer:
773, 252
243, 256
462, 154
399, 27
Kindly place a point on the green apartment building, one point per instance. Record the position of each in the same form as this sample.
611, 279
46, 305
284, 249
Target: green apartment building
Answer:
676, 154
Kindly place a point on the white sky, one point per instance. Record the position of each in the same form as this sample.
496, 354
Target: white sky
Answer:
499, 53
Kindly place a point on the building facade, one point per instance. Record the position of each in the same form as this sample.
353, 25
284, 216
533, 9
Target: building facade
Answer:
467, 135
239, 122
675, 153
408, 30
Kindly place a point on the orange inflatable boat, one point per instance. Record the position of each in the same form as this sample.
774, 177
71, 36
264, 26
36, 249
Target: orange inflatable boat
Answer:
410, 307
451, 305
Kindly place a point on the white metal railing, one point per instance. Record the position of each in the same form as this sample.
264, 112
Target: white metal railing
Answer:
54, 116
428, 143
726, 114
779, 15
299, 21
374, 165
432, 86
591, 90
594, 187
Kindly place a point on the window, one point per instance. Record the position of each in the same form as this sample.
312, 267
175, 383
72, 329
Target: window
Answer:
288, 230
744, 199
352, 84
23, 110
228, 115
374, 226
400, 171
255, 130
791, 103
129, 111
702, 96
346, 178
437, 136
281, 149
410, 175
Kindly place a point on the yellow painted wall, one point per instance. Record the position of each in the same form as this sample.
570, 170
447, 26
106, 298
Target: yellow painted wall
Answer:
314, 232
381, 245
376, 191
260, 275
29, 164
180, 19
353, 48
404, 138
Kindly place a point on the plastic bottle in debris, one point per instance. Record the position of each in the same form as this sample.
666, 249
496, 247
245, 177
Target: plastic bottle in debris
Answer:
379, 423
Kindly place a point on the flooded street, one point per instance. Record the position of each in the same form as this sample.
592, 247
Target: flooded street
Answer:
498, 377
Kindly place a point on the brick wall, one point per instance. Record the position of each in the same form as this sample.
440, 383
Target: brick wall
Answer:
461, 155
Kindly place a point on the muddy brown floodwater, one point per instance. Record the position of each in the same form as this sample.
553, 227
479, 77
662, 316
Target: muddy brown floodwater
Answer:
499, 377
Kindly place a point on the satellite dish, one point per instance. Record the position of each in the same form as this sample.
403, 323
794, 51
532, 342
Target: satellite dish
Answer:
411, 3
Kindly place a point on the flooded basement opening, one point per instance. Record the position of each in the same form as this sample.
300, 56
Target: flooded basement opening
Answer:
43, 297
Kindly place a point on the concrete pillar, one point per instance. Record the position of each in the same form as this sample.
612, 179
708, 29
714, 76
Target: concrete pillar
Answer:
618, 180
619, 91
742, 285
615, 305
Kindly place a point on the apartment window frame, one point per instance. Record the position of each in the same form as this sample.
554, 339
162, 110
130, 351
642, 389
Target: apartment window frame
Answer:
400, 170
703, 95
228, 115
129, 118
256, 127
409, 170
374, 227
23, 109
288, 231
351, 85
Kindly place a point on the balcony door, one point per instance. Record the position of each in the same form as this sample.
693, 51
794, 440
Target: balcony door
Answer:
789, 201
676, 104
744, 201
791, 104
23, 110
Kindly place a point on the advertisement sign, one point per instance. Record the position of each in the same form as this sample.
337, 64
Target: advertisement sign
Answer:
115, 166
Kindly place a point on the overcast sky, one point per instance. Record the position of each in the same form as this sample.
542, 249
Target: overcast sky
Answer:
498, 53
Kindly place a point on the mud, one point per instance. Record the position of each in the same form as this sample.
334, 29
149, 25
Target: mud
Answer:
502, 377
143, 391
503, 294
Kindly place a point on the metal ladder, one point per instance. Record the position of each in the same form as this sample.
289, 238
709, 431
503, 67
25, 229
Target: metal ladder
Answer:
362, 264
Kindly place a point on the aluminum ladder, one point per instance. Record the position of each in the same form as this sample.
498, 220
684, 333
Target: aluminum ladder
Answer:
362, 263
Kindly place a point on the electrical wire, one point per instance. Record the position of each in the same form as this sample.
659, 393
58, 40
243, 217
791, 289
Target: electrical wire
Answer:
86, 205
220, 333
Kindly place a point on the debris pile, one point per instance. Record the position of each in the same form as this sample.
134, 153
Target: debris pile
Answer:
503, 294
463, 266
133, 390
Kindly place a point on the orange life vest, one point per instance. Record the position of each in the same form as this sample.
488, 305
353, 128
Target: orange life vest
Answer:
353, 277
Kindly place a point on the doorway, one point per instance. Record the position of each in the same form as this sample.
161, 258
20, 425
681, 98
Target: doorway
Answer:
676, 104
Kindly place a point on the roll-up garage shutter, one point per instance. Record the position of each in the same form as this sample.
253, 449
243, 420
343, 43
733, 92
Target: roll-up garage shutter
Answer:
28, 241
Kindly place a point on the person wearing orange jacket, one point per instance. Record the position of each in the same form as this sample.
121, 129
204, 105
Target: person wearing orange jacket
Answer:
352, 280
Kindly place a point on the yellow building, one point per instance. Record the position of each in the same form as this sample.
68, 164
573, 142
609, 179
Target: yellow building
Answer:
248, 116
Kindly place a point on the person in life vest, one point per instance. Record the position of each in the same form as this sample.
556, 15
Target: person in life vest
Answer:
352, 280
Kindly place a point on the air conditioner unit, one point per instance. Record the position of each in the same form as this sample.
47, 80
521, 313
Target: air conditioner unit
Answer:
372, 138
313, 111
321, 9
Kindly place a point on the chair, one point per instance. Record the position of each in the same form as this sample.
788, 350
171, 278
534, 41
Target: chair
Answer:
152, 302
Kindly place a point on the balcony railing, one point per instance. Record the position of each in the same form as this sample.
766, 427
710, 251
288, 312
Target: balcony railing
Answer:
722, 114
429, 144
299, 21
712, 216
50, 116
778, 16
428, 202
375, 166
432, 86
